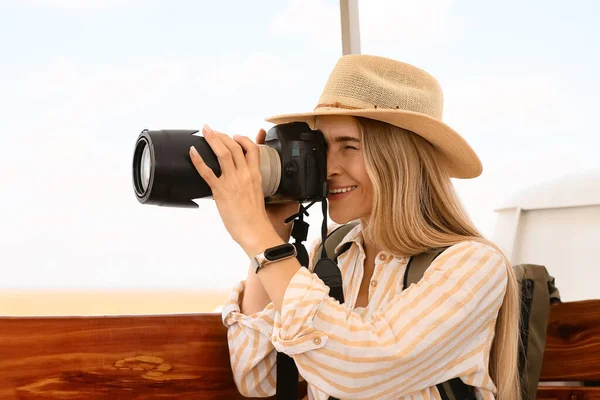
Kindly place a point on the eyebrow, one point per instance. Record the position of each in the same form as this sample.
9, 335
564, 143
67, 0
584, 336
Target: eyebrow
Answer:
340, 139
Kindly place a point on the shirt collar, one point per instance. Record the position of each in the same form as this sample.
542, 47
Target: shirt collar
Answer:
355, 235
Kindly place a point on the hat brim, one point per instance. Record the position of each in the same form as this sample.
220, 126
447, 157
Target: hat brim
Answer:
457, 155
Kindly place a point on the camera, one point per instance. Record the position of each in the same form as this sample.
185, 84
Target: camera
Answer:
292, 166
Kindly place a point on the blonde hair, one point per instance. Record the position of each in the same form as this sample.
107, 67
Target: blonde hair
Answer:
410, 183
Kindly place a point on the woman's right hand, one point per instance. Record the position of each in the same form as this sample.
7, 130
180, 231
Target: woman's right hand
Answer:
277, 213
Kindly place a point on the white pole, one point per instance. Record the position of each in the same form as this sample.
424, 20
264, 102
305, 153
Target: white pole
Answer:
350, 27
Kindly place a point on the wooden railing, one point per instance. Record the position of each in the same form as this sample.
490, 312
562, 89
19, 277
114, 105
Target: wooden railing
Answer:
186, 356
572, 352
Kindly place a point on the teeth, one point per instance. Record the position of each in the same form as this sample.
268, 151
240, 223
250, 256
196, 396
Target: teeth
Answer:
343, 190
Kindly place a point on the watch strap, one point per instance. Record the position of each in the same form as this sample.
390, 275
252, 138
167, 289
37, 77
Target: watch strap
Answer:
273, 254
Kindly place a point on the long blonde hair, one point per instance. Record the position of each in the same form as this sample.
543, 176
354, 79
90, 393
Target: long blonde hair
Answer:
410, 182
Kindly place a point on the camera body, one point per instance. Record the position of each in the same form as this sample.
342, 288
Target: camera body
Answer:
303, 158
293, 166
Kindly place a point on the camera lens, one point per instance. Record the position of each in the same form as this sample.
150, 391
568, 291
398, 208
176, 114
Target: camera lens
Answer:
145, 168
142, 167
164, 175
270, 169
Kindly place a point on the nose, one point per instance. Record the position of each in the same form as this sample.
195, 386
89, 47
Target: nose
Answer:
333, 165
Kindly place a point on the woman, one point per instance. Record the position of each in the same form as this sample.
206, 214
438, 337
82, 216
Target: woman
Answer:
389, 163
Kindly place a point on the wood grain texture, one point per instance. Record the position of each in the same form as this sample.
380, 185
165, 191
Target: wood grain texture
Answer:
573, 342
186, 356
141, 357
568, 393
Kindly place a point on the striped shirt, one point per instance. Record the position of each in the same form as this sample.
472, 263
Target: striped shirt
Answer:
399, 346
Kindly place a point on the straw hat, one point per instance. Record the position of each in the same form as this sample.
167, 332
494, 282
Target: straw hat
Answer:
399, 94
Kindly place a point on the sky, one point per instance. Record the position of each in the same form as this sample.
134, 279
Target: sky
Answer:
80, 79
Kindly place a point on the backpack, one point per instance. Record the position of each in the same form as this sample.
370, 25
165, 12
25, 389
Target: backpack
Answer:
538, 293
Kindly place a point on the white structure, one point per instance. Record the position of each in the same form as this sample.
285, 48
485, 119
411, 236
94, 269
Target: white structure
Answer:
557, 224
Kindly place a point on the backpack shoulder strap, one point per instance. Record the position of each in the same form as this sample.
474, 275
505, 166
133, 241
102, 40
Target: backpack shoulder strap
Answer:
417, 265
332, 241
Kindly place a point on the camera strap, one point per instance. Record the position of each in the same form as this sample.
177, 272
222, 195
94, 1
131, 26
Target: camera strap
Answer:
328, 271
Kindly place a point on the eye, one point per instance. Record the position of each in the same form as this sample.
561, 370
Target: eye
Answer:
350, 147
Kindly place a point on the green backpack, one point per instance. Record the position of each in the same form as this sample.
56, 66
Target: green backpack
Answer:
538, 293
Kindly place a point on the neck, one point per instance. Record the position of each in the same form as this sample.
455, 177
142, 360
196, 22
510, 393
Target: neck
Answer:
371, 248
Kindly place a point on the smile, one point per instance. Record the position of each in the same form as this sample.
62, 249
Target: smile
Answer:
343, 190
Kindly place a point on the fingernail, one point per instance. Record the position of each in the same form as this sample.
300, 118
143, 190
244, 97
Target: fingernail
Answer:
194, 151
206, 129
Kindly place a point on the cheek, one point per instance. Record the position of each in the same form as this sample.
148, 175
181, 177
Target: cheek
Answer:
361, 177
360, 173
366, 184
367, 192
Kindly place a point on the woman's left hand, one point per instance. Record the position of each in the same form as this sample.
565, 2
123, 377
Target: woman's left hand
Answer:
238, 191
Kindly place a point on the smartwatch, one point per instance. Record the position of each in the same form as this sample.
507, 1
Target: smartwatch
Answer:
273, 254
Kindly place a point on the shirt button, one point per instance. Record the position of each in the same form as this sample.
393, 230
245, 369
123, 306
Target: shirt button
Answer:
317, 340
373, 283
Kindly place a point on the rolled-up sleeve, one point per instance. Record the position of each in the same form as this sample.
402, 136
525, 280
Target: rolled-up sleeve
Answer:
433, 331
252, 355
250, 339
295, 332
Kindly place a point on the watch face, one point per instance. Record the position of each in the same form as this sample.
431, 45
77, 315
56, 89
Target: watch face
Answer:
278, 252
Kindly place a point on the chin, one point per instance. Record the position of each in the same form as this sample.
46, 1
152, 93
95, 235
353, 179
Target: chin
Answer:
338, 219
342, 219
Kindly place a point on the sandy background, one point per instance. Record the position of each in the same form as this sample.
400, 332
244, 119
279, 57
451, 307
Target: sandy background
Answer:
124, 302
